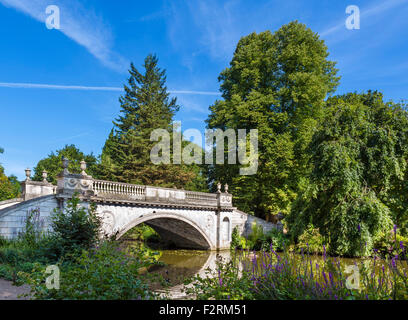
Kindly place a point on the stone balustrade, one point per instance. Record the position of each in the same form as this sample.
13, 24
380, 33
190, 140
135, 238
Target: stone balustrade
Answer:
110, 189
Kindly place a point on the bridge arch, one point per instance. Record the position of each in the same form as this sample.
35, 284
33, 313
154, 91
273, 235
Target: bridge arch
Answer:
184, 232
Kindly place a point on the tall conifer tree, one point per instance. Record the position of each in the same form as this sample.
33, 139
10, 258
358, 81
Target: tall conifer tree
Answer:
146, 105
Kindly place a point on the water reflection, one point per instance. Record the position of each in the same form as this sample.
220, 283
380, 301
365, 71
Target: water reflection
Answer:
182, 264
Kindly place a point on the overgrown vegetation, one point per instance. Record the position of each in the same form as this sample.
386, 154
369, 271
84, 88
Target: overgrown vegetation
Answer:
258, 240
290, 276
91, 266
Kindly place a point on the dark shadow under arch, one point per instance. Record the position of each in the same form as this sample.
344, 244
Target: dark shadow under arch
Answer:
174, 228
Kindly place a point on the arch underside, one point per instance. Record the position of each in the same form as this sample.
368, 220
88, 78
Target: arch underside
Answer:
178, 232
174, 229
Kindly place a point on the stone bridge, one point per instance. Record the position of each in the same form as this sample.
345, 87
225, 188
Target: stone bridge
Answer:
189, 219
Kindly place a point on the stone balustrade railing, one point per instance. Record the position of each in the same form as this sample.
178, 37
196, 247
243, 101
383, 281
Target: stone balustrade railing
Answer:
101, 190
108, 189
125, 191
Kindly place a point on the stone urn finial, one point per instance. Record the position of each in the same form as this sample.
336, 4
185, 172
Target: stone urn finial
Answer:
45, 175
226, 188
83, 167
65, 163
28, 174
219, 187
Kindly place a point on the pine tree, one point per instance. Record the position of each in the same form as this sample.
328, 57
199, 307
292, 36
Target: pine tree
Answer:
146, 105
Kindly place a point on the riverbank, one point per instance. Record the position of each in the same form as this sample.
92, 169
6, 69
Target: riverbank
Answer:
8, 291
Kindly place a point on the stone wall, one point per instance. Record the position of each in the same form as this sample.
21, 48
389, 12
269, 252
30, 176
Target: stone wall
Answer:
12, 219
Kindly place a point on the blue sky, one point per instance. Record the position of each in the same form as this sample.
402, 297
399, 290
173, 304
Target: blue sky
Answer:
62, 86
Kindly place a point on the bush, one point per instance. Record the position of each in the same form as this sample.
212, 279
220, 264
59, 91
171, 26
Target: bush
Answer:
256, 237
4, 242
257, 240
226, 282
310, 241
276, 240
237, 241
389, 244
102, 273
74, 228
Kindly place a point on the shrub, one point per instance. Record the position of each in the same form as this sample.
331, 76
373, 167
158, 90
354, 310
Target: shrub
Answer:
226, 282
389, 244
256, 237
4, 242
310, 241
102, 273
238, 241
74, 228
275, 239
258, 240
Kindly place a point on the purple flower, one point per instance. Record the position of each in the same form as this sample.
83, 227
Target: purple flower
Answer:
325, 279
395, 229
358, 227
401, 245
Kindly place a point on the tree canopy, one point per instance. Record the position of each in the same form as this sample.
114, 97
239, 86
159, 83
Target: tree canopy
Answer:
357, 187
9, 186
277, 83
52, 163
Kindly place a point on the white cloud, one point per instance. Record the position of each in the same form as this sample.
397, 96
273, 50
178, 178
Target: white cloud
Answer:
92, 88
55, 86
83, 26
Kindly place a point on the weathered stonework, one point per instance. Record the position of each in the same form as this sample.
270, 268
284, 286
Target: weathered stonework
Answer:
187, 218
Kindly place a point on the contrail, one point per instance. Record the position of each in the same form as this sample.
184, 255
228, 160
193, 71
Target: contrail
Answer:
90, 88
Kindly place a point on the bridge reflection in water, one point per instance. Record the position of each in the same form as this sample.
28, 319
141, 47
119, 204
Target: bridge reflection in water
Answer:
182, 264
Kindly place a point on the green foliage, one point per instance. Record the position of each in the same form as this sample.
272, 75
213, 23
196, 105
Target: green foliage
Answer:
258, 240
75, 228
275, 240
104, 273
311, 241
389, 244
358, 158
52, 164
277, 83
224, 283
237, 241
9, 186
